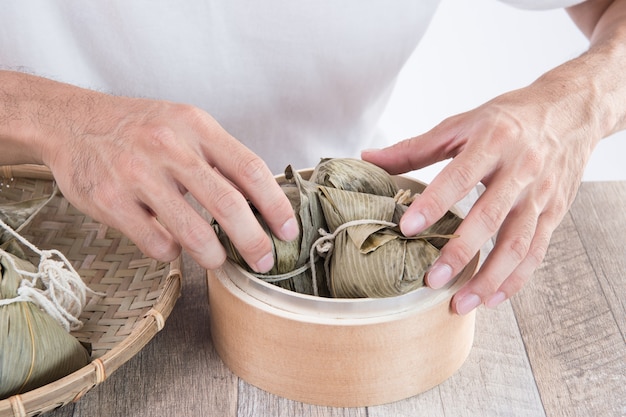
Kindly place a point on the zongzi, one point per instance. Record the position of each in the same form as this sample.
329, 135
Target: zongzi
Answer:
350, 245
353, 175
291, 259
372, 258
34, 348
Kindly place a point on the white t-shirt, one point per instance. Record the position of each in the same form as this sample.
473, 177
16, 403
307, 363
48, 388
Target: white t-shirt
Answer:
294, 81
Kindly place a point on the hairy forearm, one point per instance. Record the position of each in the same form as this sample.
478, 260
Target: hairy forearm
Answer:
17, 133
35, 112
600, 70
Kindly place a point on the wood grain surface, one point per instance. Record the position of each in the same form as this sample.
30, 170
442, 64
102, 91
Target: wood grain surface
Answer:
557, 349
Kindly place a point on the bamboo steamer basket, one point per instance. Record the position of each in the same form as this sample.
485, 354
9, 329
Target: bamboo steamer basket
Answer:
140, 292
338, 352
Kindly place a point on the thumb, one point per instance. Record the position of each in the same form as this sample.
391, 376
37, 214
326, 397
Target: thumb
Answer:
408, 155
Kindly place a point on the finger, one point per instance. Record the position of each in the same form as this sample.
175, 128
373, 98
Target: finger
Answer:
191, 171
525, 270
115, 206
251, 175
140, 226
454, 182
159, 187
260, 186
414, 153
512, 247
229, 208
481, 223
159, 202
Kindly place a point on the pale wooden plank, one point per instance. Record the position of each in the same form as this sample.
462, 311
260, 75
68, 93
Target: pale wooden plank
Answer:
66, 411
426, 404
177, 374
496, 379
254, 402
574, 344
571, 317
599, 215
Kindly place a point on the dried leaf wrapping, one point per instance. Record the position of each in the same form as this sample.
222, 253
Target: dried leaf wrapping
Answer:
289, 256
354, 175
369, 259
16, 214
372, 260
440, 231
34, 349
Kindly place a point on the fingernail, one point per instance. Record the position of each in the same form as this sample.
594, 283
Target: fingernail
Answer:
290, 230
265, 263
438, 276
495, 300
467, 304
412, 224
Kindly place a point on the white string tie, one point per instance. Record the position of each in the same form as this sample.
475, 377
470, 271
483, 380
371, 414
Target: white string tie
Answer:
326, 243
322, 247
64, 293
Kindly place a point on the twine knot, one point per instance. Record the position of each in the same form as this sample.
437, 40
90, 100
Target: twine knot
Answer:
326, 243
322, 247
62, 293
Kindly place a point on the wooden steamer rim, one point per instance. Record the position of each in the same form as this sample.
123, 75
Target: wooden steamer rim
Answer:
338, 352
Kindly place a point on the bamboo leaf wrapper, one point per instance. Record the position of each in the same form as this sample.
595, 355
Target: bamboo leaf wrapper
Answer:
354, 205
34, 349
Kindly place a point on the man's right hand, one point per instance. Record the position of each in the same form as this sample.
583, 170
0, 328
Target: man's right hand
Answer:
129, 162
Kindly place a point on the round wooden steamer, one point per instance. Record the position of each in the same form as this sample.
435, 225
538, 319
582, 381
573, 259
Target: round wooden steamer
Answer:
338, 352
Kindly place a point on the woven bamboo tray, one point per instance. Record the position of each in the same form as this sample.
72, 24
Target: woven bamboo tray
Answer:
338, 352
140, 292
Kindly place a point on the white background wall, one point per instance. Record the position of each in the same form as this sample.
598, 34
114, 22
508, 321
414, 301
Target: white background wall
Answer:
475, 50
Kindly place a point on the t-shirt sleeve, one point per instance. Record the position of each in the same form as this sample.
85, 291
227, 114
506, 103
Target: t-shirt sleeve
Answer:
542, 4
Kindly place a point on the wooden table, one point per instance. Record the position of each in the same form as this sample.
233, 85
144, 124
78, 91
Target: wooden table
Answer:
557, 348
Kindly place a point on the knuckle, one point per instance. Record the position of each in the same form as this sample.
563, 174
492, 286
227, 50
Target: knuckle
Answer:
558, 207
537, 253
114, 206
532, 160
405, 146
504, 129
491, 217
256, 244
195, 238
459, 254
547, 184
434, 207
462, 177
156, 245
554, 212
519, 248
252, 169
192, 114
161, 137
133, 167
137, 172
163, 250
226, 201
